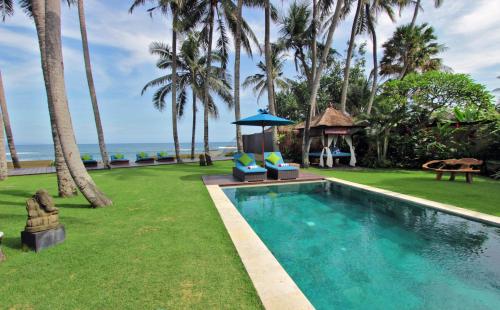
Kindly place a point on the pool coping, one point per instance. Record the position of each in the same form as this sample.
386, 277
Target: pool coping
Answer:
447, 208
276, 289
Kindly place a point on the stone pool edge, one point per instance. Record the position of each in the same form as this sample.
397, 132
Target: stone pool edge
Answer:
276, 289
450, 209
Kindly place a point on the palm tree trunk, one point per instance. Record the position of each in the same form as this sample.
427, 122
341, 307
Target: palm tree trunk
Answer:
61, 112
375, 59
306, 142
415, 14
4, 172
269, 70
174, 87
65, 184
6, 124
207, 76
347, 69
193, 135
237, 59
90, 81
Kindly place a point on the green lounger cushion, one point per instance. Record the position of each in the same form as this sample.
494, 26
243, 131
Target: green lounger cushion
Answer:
245, 160
87, 157
117, 156
162, 154
273, 158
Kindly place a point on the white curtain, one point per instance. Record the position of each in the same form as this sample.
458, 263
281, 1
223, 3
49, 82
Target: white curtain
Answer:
326, 148
348, 139
321, 163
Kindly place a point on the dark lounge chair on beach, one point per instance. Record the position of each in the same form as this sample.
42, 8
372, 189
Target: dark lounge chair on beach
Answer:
144, 158
163, 157
89, 161
119, 160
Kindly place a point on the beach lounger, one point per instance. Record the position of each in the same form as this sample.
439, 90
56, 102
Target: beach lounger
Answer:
277, 168
162, 157
119, 160
246, 169
89, 161
144, 158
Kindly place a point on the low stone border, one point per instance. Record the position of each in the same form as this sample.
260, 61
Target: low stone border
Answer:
469, 214
274, 286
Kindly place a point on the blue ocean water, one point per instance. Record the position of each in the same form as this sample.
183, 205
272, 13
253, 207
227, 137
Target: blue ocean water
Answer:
46, 151
350, 249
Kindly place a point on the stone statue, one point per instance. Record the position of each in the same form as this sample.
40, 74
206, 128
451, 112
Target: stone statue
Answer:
2, 256
42, 213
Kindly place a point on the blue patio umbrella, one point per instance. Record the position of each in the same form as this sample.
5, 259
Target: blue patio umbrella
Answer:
263, 119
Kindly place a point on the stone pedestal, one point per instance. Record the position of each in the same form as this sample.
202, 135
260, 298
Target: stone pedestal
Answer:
38, 241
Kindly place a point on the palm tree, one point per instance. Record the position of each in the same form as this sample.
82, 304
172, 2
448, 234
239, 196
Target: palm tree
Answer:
174, 6
371, 13
6, 8
340, 6
6, 124
354, 31
417, 6
59, 103
411, 49
66, 185
191, 74
259, 81
237, 61
90, 81
226, 18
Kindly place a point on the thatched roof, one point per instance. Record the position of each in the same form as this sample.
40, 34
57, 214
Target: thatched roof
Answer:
330, 118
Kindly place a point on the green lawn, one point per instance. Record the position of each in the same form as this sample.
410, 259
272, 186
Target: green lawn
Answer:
162, 244
482, 195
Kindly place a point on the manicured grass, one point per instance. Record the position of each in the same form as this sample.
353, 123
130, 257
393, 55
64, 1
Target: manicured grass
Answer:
482, 195
161, 245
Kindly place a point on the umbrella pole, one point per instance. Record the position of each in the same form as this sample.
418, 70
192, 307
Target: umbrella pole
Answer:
263, 148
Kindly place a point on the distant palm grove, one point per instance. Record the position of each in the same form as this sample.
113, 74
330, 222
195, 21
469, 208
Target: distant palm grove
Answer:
408, 99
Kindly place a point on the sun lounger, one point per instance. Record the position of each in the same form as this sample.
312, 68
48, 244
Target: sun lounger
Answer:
277, 168
163, 157
119, 160
454, 166
144, 158
246, 169
89, 161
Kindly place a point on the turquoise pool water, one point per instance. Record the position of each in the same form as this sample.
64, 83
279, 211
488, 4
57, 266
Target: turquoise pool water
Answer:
351, 249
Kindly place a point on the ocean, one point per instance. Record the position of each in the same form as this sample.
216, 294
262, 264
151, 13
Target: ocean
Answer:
46, 151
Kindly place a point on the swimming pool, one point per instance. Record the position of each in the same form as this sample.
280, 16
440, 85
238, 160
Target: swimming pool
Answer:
352, 249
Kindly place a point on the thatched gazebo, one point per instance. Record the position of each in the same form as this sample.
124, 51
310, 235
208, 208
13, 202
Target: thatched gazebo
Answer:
330, 126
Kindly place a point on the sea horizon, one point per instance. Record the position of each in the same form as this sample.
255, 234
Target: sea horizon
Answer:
27, 152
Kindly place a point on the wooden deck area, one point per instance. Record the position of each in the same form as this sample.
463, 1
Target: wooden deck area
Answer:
132, 164
229, 180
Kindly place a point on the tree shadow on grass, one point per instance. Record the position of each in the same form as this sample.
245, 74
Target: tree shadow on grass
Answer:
192, 177
73, 206
12, 203
17, 193
13, 242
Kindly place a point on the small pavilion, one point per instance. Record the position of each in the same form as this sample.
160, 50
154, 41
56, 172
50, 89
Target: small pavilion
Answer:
329, 126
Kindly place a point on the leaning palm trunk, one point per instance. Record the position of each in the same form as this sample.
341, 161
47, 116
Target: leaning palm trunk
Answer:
4, 172
347, 69
205, 86
90, 80
237, 60
61, 112
174, 87
66, 185
193, 134
415, 14
371, 28
6, 124
306, 142
269, 71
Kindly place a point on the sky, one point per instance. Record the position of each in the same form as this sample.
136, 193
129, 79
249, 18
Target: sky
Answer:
122, 65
